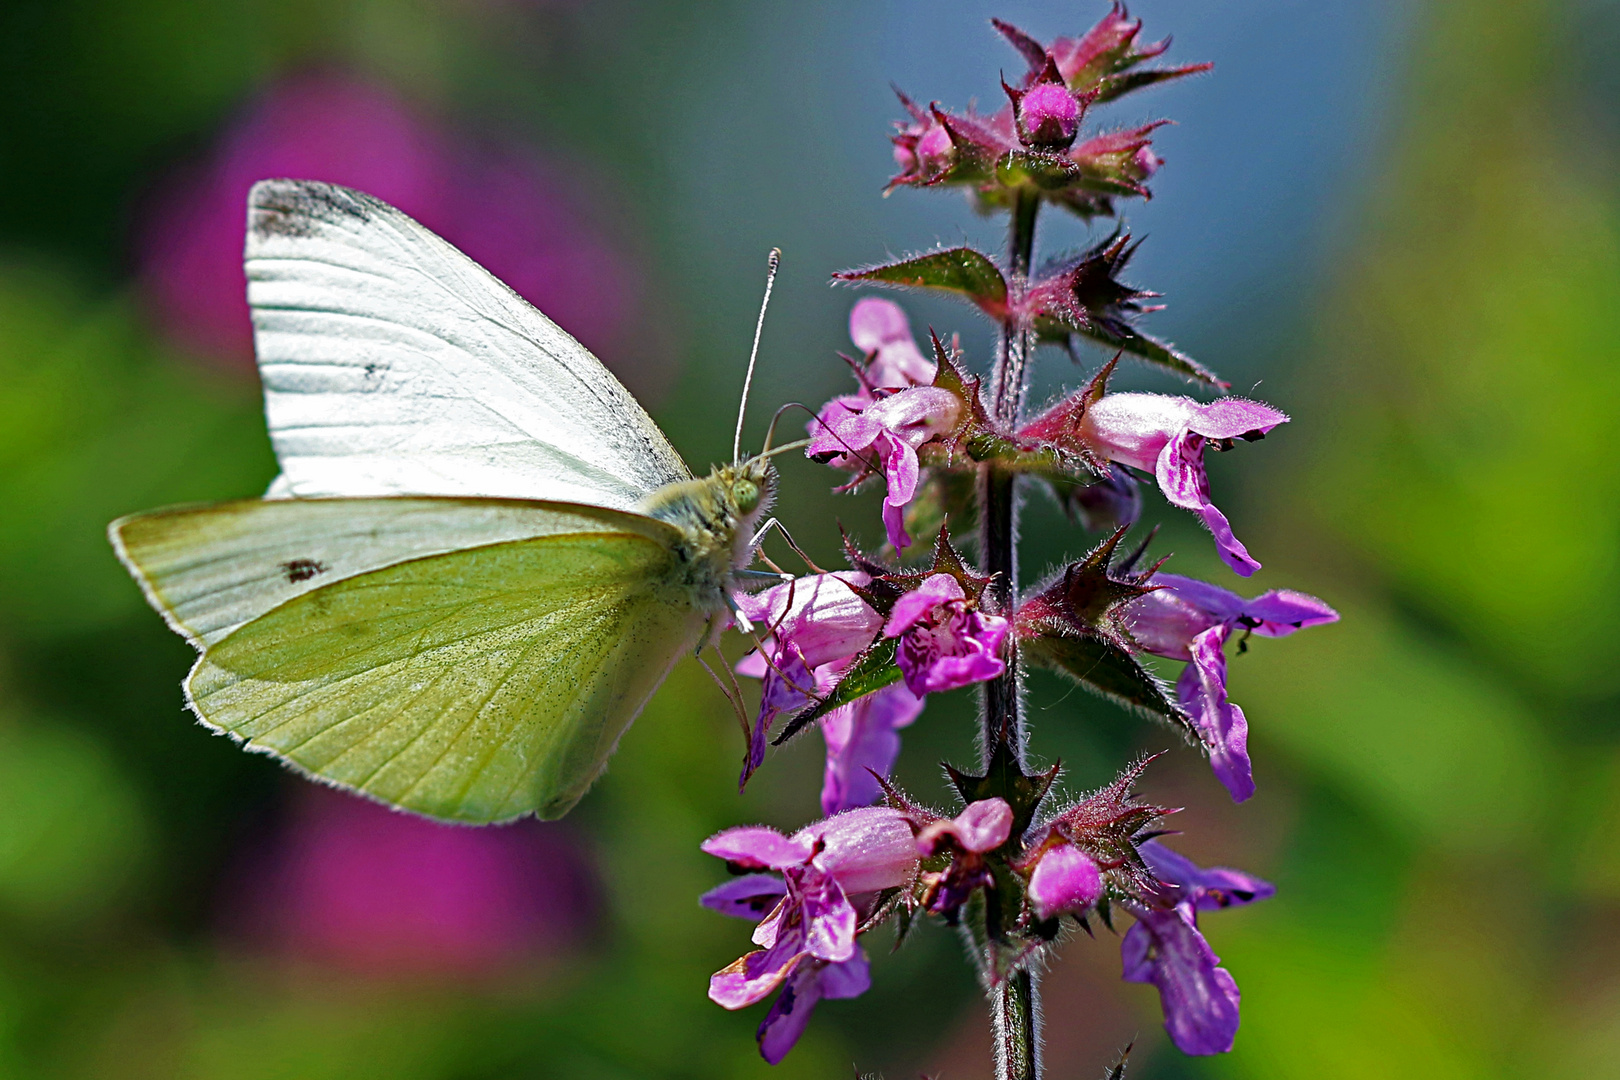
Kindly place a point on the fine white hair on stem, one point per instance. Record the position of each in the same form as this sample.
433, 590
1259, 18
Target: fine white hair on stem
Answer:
772, 263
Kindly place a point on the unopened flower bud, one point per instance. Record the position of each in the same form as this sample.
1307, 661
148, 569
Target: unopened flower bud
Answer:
1048, 116
1065, 880
935, 151
1147, 163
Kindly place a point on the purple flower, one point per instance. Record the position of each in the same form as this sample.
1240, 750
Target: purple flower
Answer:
807, 940
1164, 948
1165, 436
811, 981
945, 641
880, 329
815, 625
863, 738
1202, 889
1191, 620
1065, 880
1199, 998
882, 434
980, 828
880, 429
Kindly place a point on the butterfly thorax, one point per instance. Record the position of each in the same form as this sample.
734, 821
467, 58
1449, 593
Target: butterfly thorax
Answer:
717, 516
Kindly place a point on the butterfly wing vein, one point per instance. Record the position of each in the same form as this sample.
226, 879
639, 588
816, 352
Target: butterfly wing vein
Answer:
475, 685
395, 365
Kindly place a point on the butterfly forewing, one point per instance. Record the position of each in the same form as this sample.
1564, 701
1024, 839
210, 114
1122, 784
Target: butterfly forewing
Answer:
395, 365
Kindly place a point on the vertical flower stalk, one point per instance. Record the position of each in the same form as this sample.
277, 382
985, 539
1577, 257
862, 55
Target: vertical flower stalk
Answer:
1014, 1006
998, 504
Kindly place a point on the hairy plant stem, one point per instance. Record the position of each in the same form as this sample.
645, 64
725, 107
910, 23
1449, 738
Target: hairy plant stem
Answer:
1015, 1011
1014, 1005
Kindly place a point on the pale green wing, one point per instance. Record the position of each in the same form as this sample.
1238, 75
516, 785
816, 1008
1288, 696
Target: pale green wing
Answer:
476, 685
210, 569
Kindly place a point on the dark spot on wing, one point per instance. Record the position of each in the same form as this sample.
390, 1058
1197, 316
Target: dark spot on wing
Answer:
374, 371
297, 208
302, 570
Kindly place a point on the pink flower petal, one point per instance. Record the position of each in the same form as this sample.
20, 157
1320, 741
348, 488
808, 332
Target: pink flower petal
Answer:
754, 977
1282, 611
915, 605
1204, 889
1225, 730
758, 847
983, 826
864, 849
1199, 998
751, 896
1233, 418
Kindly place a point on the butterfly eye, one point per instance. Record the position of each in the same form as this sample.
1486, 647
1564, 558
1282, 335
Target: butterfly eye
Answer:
746, 494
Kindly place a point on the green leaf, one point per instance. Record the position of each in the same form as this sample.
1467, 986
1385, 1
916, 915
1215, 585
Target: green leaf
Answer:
1153, 351
1108, 670
872, 671
959, 270
1111, 87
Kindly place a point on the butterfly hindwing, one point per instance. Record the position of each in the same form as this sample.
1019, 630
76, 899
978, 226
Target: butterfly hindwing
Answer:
475, 685
395, 365
210, 569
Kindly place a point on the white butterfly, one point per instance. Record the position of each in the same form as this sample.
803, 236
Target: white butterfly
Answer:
481, 556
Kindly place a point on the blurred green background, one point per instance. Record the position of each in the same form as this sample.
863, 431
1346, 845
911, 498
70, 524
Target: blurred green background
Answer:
1399, 222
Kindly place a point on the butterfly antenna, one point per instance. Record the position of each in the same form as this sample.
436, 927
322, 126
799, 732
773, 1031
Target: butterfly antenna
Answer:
753, 354
785, 448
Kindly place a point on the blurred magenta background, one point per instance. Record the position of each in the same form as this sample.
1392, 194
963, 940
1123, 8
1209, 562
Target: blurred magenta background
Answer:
1398, 222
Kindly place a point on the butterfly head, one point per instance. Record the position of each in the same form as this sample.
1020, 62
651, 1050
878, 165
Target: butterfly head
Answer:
718, 515
750, 489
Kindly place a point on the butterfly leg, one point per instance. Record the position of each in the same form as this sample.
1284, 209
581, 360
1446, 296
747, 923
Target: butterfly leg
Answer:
744, 623
733, 694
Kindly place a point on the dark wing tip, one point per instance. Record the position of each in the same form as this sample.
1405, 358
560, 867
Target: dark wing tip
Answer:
297, 208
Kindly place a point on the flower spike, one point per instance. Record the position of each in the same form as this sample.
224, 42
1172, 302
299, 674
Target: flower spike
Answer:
858, 651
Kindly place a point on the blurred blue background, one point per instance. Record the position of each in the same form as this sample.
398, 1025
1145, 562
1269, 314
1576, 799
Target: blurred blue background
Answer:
1398, 222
